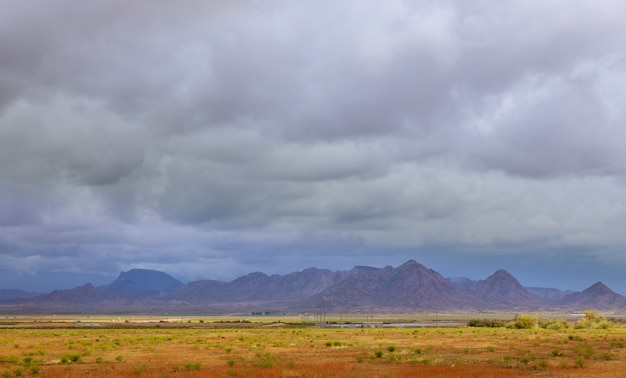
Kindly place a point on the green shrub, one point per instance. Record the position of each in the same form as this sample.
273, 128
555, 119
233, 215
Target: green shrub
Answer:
593, 319
67, 358
586, 352
553, 324
580, 363
526, 321
393, 357
488, 323
10, 359
605, 324
140, 370
192, 366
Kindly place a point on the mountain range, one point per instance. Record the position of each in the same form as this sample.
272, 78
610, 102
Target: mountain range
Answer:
409, 287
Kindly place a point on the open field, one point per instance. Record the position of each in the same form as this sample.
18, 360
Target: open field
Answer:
281, 347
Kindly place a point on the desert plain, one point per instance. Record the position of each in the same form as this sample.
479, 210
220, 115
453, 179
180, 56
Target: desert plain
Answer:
220, 346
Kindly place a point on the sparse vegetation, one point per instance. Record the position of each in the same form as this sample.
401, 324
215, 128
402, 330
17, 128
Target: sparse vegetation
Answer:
234, 350
265, 360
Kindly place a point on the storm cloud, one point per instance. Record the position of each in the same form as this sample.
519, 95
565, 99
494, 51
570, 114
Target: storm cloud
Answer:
211, 139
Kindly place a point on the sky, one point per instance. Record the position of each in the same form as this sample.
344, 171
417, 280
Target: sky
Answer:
210, 139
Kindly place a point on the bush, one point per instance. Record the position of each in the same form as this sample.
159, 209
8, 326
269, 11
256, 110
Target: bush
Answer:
580, 363
70, 358
140, 369
605, 324
490, 323
526, 321
593, 319
553, 324
192, 366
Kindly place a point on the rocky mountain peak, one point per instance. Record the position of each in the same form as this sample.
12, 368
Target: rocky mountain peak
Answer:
142, 282
504, 289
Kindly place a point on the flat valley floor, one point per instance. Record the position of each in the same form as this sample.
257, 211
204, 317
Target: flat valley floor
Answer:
223, 349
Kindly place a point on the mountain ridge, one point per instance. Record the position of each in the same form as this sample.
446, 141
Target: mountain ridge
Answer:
408, 287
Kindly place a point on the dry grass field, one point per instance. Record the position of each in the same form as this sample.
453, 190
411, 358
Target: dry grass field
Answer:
207, 349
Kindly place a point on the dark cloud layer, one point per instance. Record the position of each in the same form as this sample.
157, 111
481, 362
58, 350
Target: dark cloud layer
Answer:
210, 139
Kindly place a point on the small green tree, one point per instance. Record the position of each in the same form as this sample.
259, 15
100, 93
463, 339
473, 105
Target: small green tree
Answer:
593, 319
554, 324
593, 316
526, 321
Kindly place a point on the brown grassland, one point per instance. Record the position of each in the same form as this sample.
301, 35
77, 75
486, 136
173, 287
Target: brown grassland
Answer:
213, 348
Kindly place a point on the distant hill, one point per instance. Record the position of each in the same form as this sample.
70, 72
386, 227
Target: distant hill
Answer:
259, 287
408, 287
82, 296
141, 283
502, 290
85, 294
597, 296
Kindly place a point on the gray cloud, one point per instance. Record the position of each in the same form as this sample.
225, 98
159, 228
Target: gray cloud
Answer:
211, 139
